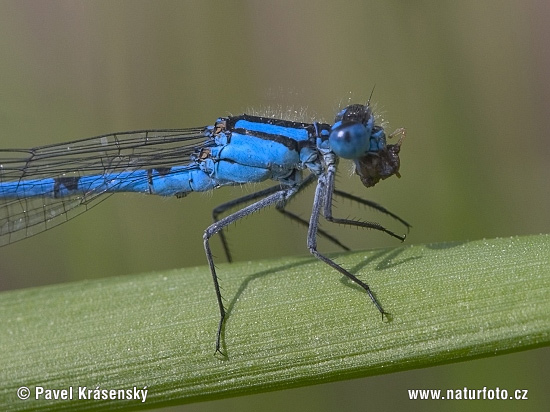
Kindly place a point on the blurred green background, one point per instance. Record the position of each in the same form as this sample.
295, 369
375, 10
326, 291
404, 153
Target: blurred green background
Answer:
469, 81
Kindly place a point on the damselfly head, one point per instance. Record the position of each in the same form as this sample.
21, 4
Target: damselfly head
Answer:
356, 136
350, 135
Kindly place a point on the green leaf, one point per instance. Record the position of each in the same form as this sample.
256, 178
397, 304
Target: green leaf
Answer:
292, 322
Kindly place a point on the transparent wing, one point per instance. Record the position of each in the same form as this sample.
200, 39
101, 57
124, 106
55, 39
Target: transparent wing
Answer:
22, 217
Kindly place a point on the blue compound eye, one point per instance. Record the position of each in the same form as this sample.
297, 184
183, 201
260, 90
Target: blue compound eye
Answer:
349, 141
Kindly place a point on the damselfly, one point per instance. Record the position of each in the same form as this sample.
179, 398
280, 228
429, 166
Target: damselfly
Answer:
48, 185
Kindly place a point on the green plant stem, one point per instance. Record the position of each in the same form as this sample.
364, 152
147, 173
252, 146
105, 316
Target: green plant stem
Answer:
291, 322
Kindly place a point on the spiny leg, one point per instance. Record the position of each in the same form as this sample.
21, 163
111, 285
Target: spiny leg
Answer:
327, 209
218, 226
373, 205
365, 202
321, 197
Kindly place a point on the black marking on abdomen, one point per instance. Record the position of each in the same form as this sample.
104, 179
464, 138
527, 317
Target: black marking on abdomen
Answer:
69, 183
162, 171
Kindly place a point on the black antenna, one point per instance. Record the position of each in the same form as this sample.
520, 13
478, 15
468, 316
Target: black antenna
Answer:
372, 91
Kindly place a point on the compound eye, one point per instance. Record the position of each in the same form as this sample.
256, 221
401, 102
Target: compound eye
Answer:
349, 141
